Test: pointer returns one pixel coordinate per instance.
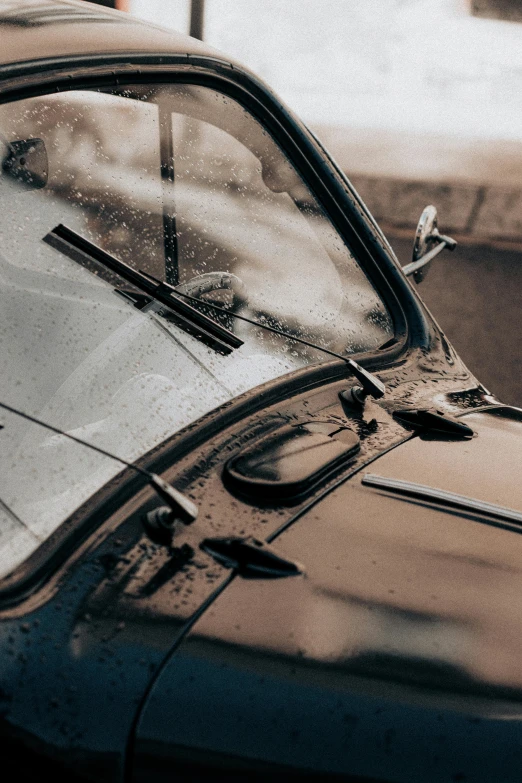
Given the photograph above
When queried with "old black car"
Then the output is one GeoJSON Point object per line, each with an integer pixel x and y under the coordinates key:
{"type": "Point", "coordinates": [257, 519]}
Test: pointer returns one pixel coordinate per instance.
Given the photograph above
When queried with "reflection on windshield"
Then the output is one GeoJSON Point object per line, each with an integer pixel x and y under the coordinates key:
{"type": "Point", "coordinates": [184, 184]}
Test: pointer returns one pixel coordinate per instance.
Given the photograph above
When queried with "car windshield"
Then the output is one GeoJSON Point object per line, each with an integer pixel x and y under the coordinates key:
{"type": "Point", "coordinates": [181, 182]}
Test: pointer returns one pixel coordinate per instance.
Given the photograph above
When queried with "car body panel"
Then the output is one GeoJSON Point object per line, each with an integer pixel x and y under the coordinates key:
{"type": "Point", "coordinates": [396, 655]}
{"type": "Point", "coordinates": [74, 668]}
{"type": "Point", "coordinates": [40, 29]}
{"type": "Point", "coordinates": [106, 614]}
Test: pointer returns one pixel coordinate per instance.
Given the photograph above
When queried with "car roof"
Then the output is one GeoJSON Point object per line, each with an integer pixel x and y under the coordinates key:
{"type": "Point", "coordinates": [49, 29]}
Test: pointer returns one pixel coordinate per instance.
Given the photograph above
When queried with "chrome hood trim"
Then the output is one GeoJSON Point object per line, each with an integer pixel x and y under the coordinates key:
{"type": "Point", "coordinates": [442, 496]}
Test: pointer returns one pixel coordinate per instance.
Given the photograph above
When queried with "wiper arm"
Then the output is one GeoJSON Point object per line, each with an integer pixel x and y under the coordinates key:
{"type": "Point", "coordinates": [79, 249]}
{"type": "Point", "coordinates": [371, 386]}
{"type": "Point", "coordinates": [180, 507]}
{"type": "Point", "coordinates": [186, 317]}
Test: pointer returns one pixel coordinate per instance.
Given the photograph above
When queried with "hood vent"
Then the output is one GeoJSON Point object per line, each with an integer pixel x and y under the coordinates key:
{"type": "Point", "coordinates": [251, 558]}
{"type": "Point", "coordinates": [434, 422]}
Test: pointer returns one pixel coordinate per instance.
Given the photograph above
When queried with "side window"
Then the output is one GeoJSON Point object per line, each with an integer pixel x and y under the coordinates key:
{"type": "Point", "coordinates": [181, 181]}
{"type": "Point", "coordinates": [242, 208]}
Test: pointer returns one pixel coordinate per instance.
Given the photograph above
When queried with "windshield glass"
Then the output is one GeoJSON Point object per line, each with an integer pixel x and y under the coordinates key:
{"type": "Point", "coordinates": [181, 182]}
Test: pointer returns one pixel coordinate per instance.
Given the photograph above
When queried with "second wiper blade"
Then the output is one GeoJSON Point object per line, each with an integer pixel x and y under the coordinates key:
{"type": "Point", "coordinates": [187, 317]}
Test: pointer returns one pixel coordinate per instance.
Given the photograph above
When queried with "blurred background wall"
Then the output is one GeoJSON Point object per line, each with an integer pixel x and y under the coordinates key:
{"type": "Point", "coordinates": [420, 102]}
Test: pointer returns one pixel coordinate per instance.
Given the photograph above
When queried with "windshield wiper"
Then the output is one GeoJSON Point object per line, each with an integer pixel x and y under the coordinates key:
{"type": "Point", "coordinates": [183, 314]}
{"type": "Point", "coordinates": [371, 386]}
{"type": "Point", "coordinates": [180, 507]}
{"type": "Point", "coordinates": [79, 249]}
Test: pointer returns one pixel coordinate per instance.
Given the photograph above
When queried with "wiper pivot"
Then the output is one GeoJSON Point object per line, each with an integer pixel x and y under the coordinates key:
{"type": "Point", "coordinates": [183, 314]}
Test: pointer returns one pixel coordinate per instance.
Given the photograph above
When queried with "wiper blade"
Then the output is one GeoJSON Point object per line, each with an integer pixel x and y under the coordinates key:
{"type": "Point", "coordinates": [185, 316]}
{"type": "Point", "coordinates": [79, 249]}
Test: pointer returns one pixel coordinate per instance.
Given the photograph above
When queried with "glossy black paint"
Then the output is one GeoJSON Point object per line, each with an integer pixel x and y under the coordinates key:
{"type": "Point", "coordinates": [122, 659]}
{"type": "Point", "coordinates": [392, 656]}
{"type": "Point", "coordinates": [116, 608]}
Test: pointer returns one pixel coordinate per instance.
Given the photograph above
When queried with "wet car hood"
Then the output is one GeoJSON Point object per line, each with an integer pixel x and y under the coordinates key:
{"type": "Point", "coordinates": [395, 587]}
{"type": "Point", "coordinates": [396, 655]}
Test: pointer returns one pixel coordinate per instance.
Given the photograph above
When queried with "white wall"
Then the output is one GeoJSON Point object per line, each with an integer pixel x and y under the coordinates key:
{"type": "Point", "coordinates": [414, 90]}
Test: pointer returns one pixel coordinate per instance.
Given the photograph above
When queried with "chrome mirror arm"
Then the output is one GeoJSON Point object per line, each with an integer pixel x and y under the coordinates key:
{"type": "Point", "coordinates": [427, 245]}
{"type": "Point", "coordinates": [444, 241]}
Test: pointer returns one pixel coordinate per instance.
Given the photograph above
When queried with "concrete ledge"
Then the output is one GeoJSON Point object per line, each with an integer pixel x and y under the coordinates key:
{"type": "Point", "coordinates": [481, 214]}
{"type": "Point", "coordinates": [474, 181]}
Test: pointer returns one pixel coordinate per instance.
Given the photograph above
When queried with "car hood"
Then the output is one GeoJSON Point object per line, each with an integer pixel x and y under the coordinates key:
{"type": "Point", "coordinates": [395, 587]}
{"type": "Point", "coordinates": [395, 655]}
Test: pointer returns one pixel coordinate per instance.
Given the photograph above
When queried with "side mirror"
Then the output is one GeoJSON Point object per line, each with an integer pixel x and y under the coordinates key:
{"type": "Point", "coordinates": [428, 243]}
{"type": "Point", "coordinates": [27, 162]}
